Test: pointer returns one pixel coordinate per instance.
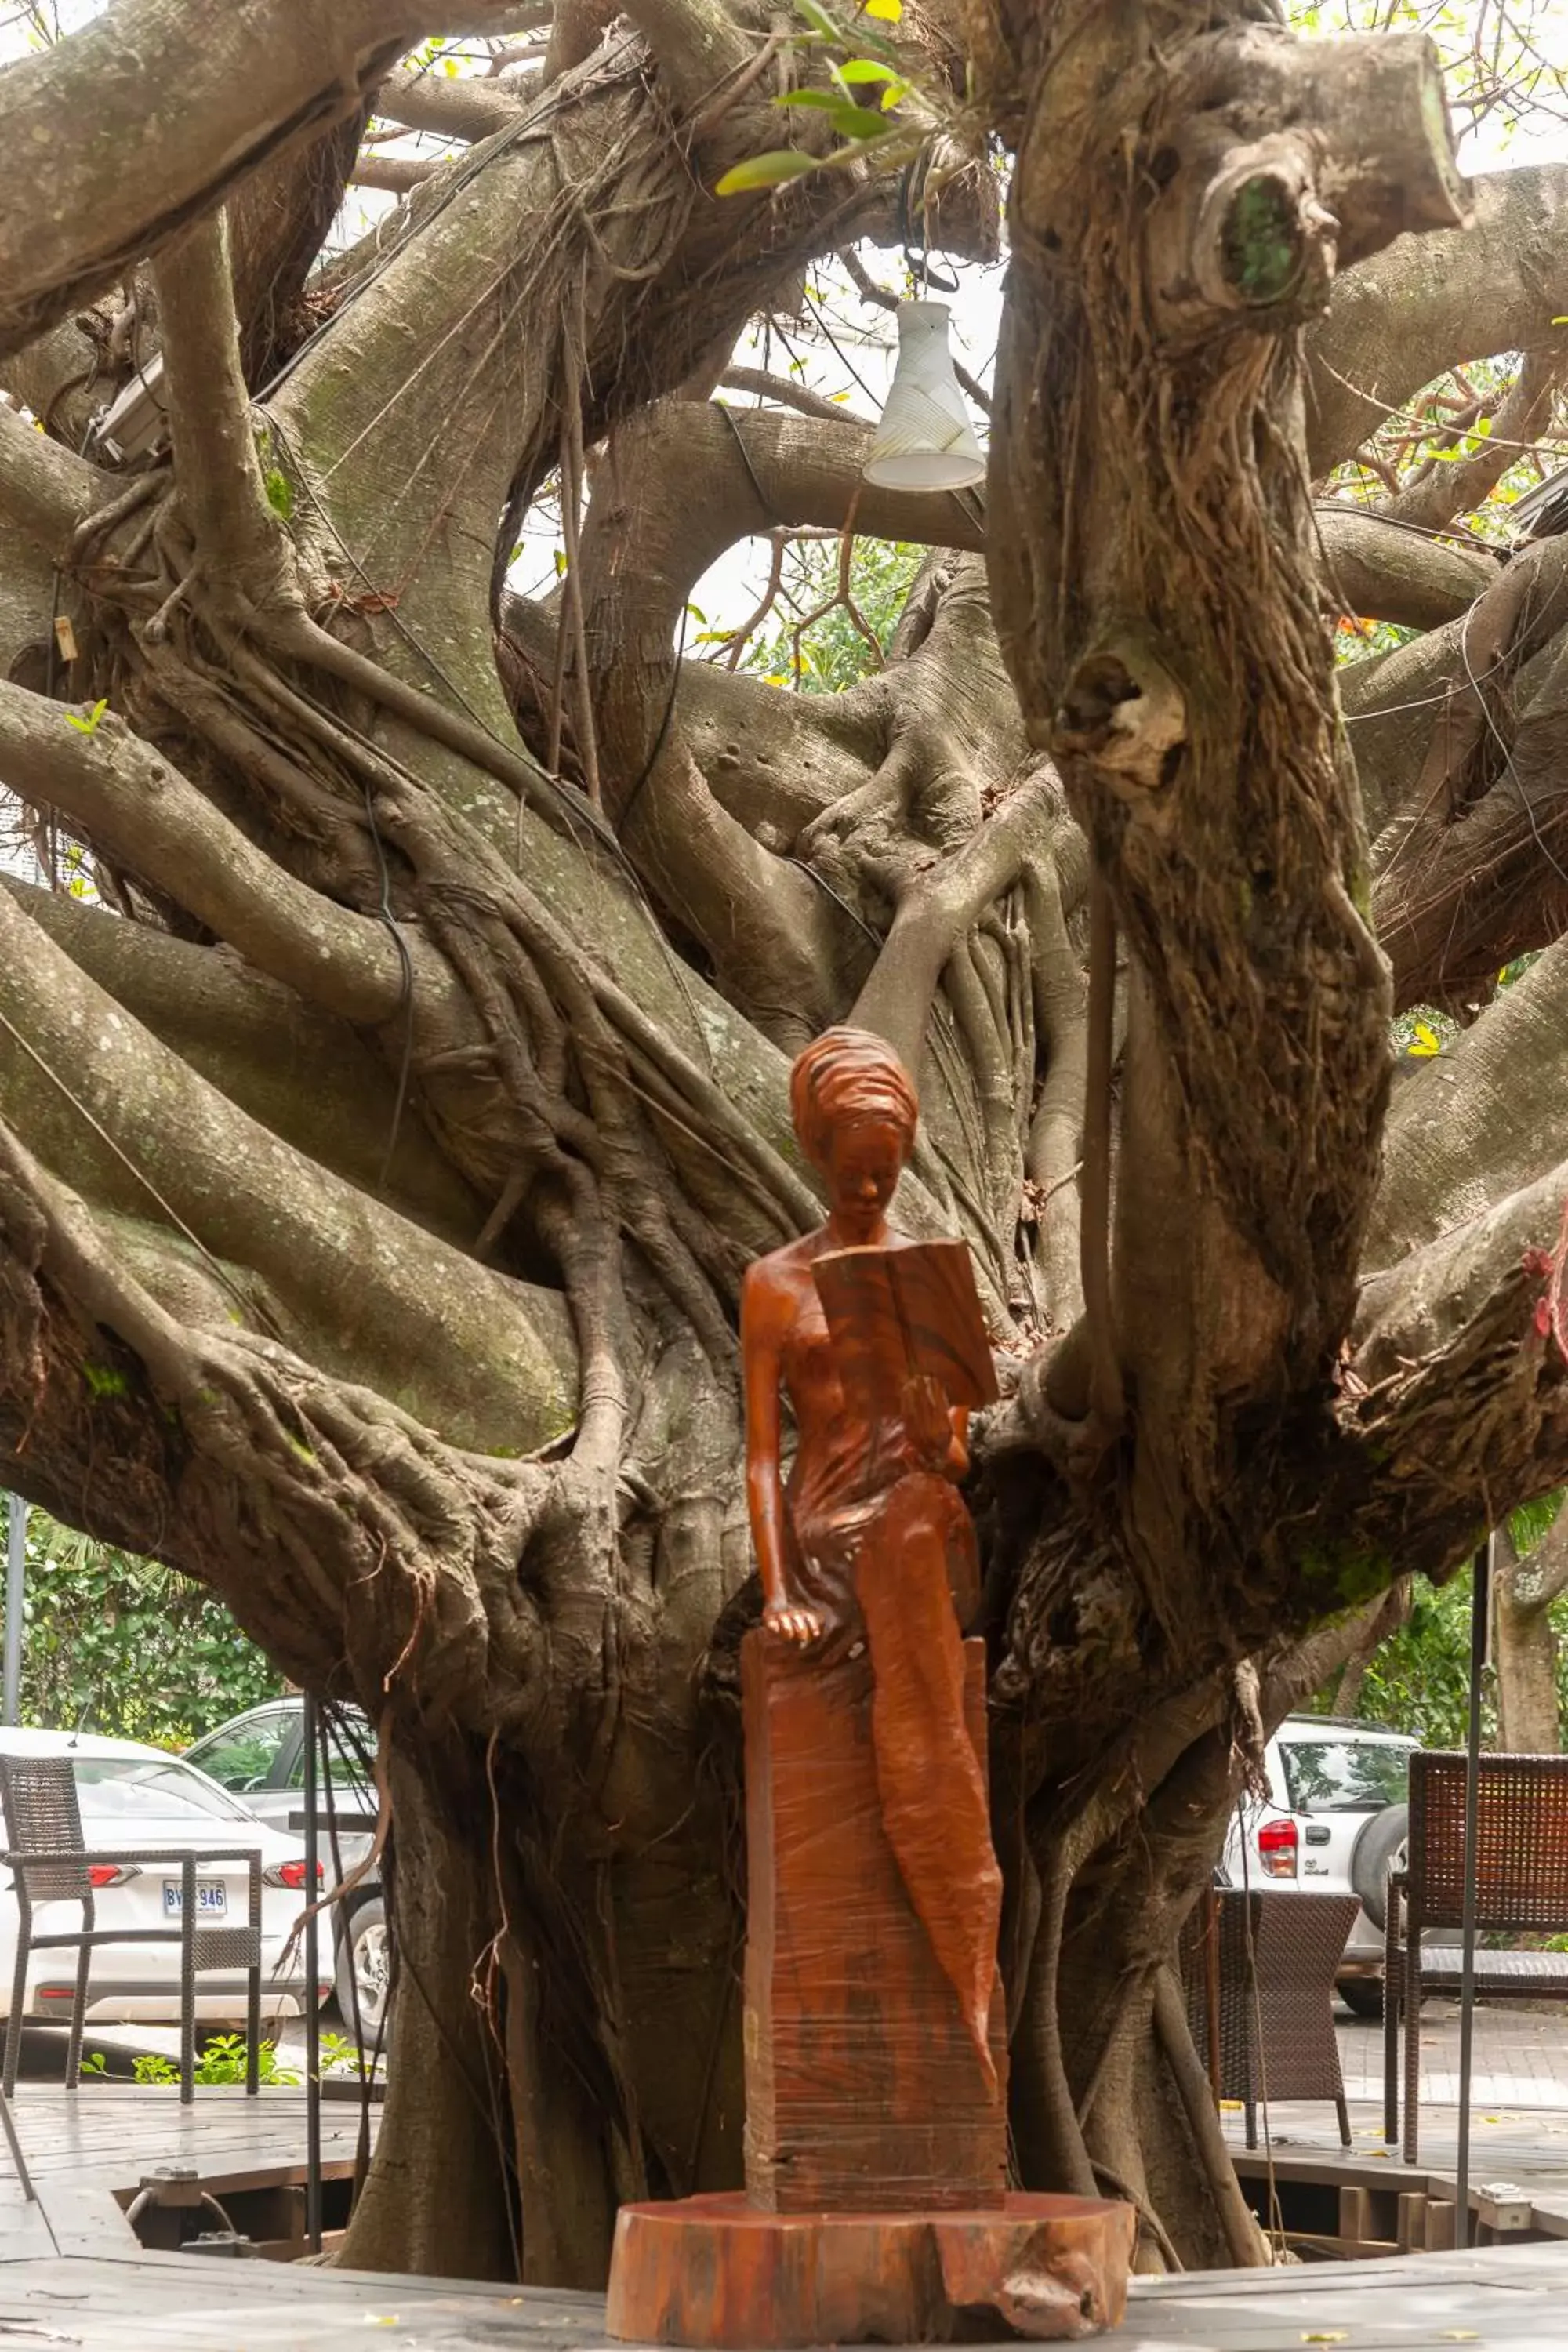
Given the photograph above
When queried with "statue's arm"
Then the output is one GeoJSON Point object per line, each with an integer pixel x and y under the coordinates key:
{"type": "Point", "coordinates": [762, 1338]}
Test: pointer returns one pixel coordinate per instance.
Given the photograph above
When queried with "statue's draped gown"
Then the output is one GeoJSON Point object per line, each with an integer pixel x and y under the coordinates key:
{"type": "Point", "coordinates": [885, 1552]}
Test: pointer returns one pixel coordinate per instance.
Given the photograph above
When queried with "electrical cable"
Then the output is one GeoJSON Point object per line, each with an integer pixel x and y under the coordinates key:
{"type": "Point", "coordinates": [249, 1306]}
{"type": "Point", "coordinates": [1504, 747]}
{"type": "Point", "coordinates": [649, 765]}
{"type": "Point", "coordinates": [405, 999]}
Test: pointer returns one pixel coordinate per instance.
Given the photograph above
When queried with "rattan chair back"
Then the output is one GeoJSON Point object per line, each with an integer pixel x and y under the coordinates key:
{"type": "Point", "coordinates": [1521, 1842]}
{"type": "Point", "coordinates": [42, 1817]}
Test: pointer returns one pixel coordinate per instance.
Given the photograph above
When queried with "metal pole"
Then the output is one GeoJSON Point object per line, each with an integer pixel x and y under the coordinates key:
{"type": "Point", "coordinates": [312, 1971]}
{"type": "Point", "coordinates": [15, 1591]}
{"type": "Point", "coordinates": [1480, 1630]}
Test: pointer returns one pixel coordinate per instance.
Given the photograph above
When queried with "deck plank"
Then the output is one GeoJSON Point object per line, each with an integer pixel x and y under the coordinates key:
{"type": "Point", "coordinates": [72, 2274]}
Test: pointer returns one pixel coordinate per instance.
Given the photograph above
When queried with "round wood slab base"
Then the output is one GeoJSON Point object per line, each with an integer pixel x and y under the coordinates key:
{"type": "Point", "coordinates": [715, 2271]}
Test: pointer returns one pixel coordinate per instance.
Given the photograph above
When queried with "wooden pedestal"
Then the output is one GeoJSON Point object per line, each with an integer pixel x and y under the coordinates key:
{"type": "Point", "coordinates": [713, 2270]}
{"type": "Point", "coordinates": [864, 2092]}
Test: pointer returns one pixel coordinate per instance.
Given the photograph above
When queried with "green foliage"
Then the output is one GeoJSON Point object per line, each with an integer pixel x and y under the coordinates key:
{"type": "Point", "coordinates": [119, 1645]}
{"type": "Point", "coordinates": [833, 653]}
{"type": "Point", "coordinates": [1419, 1679]}
{"type": "Point", "coordinates": [769, 171]}
{"type": "Point", "coordinates": [221, 2061]}
{"type": "Point", "coordinates": [87, 726]}
{"type": "Point", "coordinates": [1532, 1522]}
{"type": "Point", "coordinates": [864, 127]}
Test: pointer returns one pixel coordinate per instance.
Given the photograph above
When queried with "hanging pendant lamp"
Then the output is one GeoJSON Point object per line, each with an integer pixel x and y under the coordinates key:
{"type": "Point", "coordinates": [925, 440]}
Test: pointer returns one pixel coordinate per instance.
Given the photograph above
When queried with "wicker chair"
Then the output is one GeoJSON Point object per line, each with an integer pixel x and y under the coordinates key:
{"type": "Point", "coordinates": [1279, 2044]}
{"type": "Point", "coordinates": [1521, 1889]}
{"type": "Point", "coordinates": [49, 1863]}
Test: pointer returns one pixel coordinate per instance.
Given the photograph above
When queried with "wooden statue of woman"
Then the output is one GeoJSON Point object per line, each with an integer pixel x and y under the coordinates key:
{"type": "Point", "coordinates": [866, 1559]}
{"type": "Point", "coordinates": [876, 2206]}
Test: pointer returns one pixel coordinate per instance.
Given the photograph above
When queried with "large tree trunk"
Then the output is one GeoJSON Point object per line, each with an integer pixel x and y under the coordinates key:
{"type": "Point", "coordinates": [1529, 1720]}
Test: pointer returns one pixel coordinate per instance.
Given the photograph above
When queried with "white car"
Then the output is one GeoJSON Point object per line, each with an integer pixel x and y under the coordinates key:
{"type": "Point", "coordinates": [1334, 1821]}
{"type": "Point", "coordinates": [132, 1796]}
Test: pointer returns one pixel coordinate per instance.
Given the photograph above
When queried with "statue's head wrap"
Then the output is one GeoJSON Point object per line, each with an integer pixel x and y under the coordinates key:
{"type": "Point", "coordinates": [843, 1077]}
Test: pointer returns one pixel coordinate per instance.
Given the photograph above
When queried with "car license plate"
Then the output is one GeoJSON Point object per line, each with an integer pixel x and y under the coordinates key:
{"type": "Point", "coordinates": [211, 1898]}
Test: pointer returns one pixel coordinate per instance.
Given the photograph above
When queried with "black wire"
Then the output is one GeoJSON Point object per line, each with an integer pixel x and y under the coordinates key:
{"type": "Point", "coordinates": [331, 1717]}
{"type": "Point", "coordinates": [1504, 746]}
{"type": "Point", "coordinates": [821, 882]}
{"type": "Point", "coordinates": [649, 765]}
{"type": "Point", "coordinates": [842, 355]}
{"type": "Point", "coordinates": [406, 1001]}
{"type": "Point", "coordinates": [917, 258]}
{"type": "Point", "coordinates": [764, 500]}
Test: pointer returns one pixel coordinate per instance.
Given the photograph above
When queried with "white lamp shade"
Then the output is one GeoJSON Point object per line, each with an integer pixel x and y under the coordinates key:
{"type": "Point", "coordinates": [925, 440]}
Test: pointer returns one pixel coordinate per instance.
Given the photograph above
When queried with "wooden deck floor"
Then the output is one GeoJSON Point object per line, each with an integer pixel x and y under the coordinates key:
{"type": "Point", "coordinates": [73, 2275]}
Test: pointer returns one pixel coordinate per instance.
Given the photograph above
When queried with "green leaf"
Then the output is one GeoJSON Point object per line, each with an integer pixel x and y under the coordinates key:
{"type": "Point", "coordinates": [87, 726]}
{"type": "Point", "coordinates": [768, 170]}
{"type": "Point", "coordinates": [856, 122]}
{"type": "Point", "coordinates": [819, 20]}
{"type": "Point", "coordinates": [863, 69]}
{"type": "Point", "coordinates": [1532, 1521]}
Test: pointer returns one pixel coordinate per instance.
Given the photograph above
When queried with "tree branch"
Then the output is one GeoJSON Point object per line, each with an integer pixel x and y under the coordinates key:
{"type": "Point", "coordinates": [196, 101]}
{"type": "Point", "coordinates": [279, 221]}
{"type": "Point", "coordinates": [253, 1038]}
{"type": "Point", "coordinates": [1054, 1154]}
{"type": "Point", "coordinates": [488, 1361]}
{"type": "Point", "coordinates": [466, 107]}
{"type": "Point", "coordinates": [687, 480]}
{"type": "Point", "coordinates": [1471, 860]}
{"type": "Point", "coordinates": [1458, 486]}
{"type": "Point", "coordinates": [240, 542]}
{"type": "Point", "coordinates": [1431, 302]}
{"type": "Point", "coordinates": [939, 905]}
{"type": "Point", "coordinates": [784, 393]}
{"type": "Point", "coordinates": [133, 804]}
{"type": "Point", "coordinates": [1457, 1398]}
{"type": "Point", "coordinates": [397, 174]}
{"type": "Point", "coordinates": [1383, 570]}
{"type": "Point", "coordinates": [47, 492]}
{"type": "Point", "coordinates": [1477, 1122]}
{"type": "Point", "coordinates": [697, 46]}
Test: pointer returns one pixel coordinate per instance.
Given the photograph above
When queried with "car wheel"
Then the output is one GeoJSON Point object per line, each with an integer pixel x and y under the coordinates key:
{"type": "Point", "coordinates": [1362, 1996]}
{"type": "Point", "coordinates": [1381, 1844]}
{"type": "Point", "coordinates": [365, 1967]}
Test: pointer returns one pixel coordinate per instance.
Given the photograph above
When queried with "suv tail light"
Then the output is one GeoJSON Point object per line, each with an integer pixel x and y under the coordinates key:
{"type": "Point", "coordinates": [1277, 1842]}
{"type": "Point", "coordinates": [289, 1874]}
{"type": "Point", "coordinates": [113, 1873]}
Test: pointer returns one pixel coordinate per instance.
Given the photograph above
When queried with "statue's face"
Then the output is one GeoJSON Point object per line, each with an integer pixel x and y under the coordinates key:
{"type": "Point", "coordinates": [866, 1158]}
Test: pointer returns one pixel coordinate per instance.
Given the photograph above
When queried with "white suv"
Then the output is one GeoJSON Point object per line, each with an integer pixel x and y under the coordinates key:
{"type": "Point", "coordinates": [1334, 1820]}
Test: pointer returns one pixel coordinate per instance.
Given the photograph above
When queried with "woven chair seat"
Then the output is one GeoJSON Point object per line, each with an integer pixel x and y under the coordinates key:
{"type": "Point", "coordinates": [1499, 1974]}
